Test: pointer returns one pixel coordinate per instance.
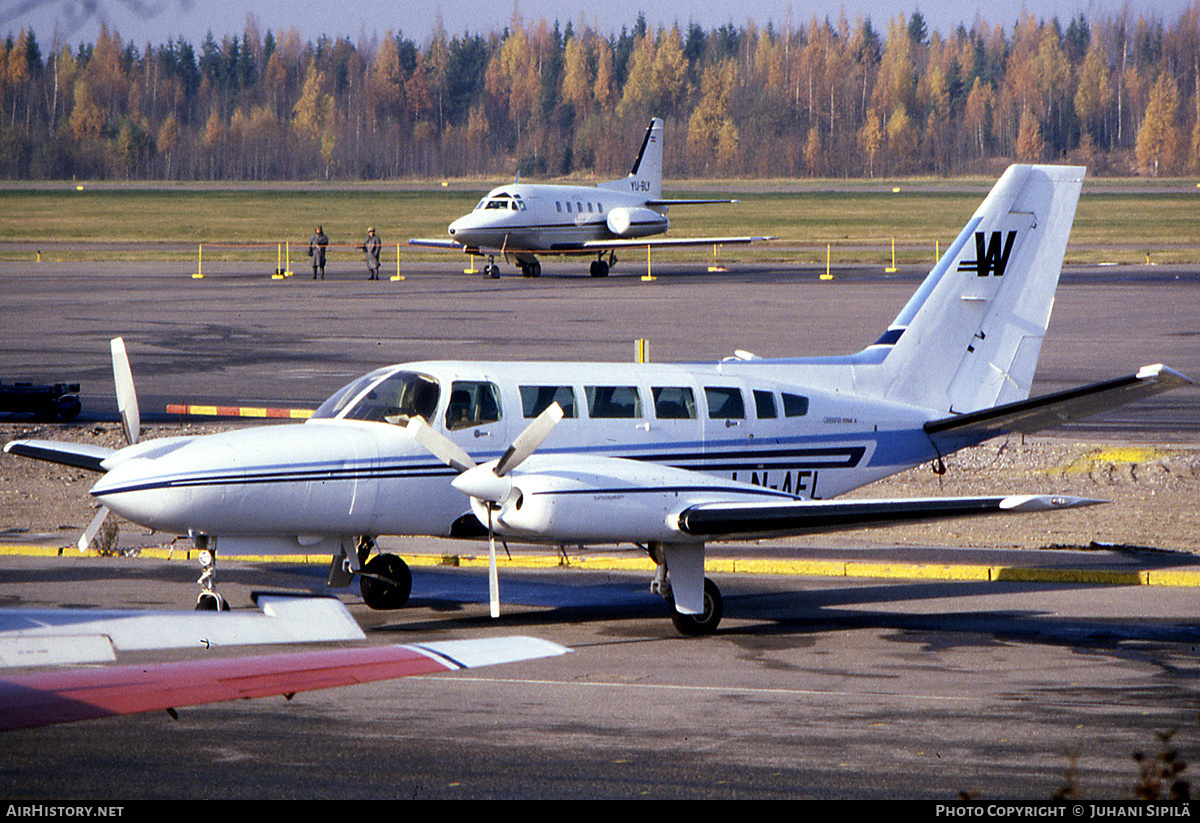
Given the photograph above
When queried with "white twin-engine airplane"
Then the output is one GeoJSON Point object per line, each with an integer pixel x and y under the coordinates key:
{"type": "Point", "coordinates": [665, 456]}
{"type": "Point", "coordinates": [524, 220]}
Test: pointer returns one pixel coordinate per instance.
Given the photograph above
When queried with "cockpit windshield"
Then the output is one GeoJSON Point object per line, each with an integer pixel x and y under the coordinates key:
{"type": "Point", "coordinates": [394, 399]}
{"type": "Point", "coordinates": [502, 201]}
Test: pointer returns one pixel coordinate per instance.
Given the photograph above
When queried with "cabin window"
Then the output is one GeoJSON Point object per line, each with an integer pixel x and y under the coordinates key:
{"type": "Point", "coordinates": [764, 405]}
{"type": "Point", "coordinates": [472, 403]}
{"type": "Point", "coordinates": [794, 405]}
{"type": "Point", "coordinates": [590, 208]}
{"type": "Point", "coordinates": [536, 399]}
{"type": "Point", "coordinates": [568, 207]}
{"type": "Point", "coordinates": [397, 399]}
{"type": "Point", "coordinates": [558, 205]}
{"type": "Point", "coordinates": [674, 403]}
{"type": "Point", "coordinates": [724, 403]}
{"type": "Point", "coordinates": [613, 401]}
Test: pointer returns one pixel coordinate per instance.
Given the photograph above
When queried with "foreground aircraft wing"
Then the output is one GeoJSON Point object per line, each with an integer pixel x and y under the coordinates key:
{"type": "Point", "coordinates": [717, 520]}
{"type": "Point", "coordinates": [1048, 411]}
{"type": "Point", "coordinates": [44, 698]}
{"type": "Point", "coordinates": [79, 455]}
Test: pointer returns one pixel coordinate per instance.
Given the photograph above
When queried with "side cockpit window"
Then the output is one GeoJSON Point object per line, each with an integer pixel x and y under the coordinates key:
{"type": "Point", "coordinates": [472, 403]}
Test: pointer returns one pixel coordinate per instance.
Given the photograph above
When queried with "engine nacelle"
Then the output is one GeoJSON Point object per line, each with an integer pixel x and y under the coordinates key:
{"type": "Point", "coordinates": [608, 500]}
{"type": "Point", "coordinates": [636, 221]}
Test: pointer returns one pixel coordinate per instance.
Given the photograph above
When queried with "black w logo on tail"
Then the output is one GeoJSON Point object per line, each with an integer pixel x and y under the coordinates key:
{"type": "Point", "coordinates": [989, 257]}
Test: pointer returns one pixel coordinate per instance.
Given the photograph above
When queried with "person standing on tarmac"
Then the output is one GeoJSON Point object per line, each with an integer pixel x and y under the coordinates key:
{"type": "Point", "coordinates": [372, 246]}
{"type": "Point", "coordinates": [316, 250]}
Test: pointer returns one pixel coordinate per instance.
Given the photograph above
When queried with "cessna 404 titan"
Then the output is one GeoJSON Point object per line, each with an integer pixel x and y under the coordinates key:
{"type": "Point", "coordinates": [665, 456]}
{"type": "Point", "coordinates": [524, 220]}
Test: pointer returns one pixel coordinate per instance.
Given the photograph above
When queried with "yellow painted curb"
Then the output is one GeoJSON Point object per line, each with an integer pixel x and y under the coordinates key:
{"type": "Point", "coordinates": [715, 565]}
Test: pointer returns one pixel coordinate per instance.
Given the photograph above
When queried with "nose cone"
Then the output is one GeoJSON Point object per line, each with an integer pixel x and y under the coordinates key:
{"type": "Point", "coordinates": [482, 227]}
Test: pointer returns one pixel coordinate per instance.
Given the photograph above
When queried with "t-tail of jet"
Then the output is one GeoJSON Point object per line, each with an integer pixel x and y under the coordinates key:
{"type": "Point", "coordinates": [645, 178]}
{"type": "Point", "coordinates": [970, 336]}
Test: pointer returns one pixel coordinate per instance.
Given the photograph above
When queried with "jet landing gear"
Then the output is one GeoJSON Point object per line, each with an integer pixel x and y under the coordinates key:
{"type": "Point", "coordinates": [385, 580]}
{"type": "Point", "coordinates": [491, 269]}
{"type": "Point", "coordinates": [600, 266]}
{"type": "Point", "coordinates": [713, 608]}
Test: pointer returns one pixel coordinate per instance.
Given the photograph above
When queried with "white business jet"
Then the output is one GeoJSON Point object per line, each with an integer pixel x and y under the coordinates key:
{"type": "Point", "coordinates": [524, 220]}
{"type": "Point", "coordinates": [667, 457]}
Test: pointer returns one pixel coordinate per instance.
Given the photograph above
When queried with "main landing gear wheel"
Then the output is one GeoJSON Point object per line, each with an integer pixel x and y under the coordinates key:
{"type": "Point", "coordinates": [533, 269]}
{"type": "Point", "coordinates": [599, 268]}
{"type": "Point", "coordinates": [697, 625]}
{"type": "Point", "coordinates": [385, 582]}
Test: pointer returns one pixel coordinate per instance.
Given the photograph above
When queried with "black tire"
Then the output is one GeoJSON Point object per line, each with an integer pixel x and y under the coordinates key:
{"type": "Point", "coordinates": [388, 586]}
{"type": "Point", "coordinates": [698, 625]}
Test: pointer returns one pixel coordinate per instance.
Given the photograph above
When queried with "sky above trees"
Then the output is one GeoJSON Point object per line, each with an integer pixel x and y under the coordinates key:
{"type": "Point", "coordinates": [158, 21]}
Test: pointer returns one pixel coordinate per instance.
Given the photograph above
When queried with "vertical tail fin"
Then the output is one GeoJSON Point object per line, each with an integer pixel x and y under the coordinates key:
{"type": "Point", "coordinates": [646, 175]}
{"type": "Point", "coordinates": [970, 336]}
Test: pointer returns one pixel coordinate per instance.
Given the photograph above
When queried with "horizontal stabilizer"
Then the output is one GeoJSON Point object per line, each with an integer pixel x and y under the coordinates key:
{"type": "Point", "coordinates": [717, 520]}
{"type": "Point", "coordinates": [1051, 410]}
{"type": "Point", "coordinates": [79, 455]}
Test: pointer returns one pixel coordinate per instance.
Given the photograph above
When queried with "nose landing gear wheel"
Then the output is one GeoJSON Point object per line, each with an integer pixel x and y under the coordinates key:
{"type": "Point", "coordinates": [385, 582]}
{"type": "Point", "coordinates": [697, 625]}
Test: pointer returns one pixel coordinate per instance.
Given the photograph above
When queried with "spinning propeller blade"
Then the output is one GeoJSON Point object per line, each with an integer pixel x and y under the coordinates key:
{"type": "Point", "coordinates": [489, 483]}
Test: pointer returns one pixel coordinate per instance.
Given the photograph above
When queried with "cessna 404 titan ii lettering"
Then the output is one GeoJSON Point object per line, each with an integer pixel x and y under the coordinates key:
{"type": "Point", "coordinates": [665, 456]}
{"type": "Point", "coordinates": [524, 220]}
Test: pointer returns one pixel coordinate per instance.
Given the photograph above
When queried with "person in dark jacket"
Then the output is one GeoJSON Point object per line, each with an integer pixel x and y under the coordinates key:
{"type": "Point", "coordinates": [316, 250]}
{"type": "Point", "coordinates": [372, 246]}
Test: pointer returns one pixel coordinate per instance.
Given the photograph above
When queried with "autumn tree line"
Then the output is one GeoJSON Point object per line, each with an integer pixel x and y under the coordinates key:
{"type": "Point", "coordinates": [830, 98]}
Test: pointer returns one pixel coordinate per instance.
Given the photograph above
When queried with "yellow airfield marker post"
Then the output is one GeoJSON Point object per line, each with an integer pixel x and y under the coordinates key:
{"type": "Point", "coordinates": [716, 266]}
{"type": "Point", "coordinates": [828, 275]}
{"type": "Point", "coordinates": [397, 276]}
{"type": "Point", "coordinates": [199, 274]}
{"type": "Point", "coordinates": [893, 266]}
{"type": "Point", "coordinates": [471, 270]}
{"type": "Point", "coordinates": [648, 276]}
{"type": "Point", "coordinates": [642, 350]}
{"type": "Point", "coordinates": [288, 259]}
{"type": "Point", "coordinates": [278, 275]}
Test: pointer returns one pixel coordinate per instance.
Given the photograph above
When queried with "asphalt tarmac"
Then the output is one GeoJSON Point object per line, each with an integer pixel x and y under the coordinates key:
{"type": "Point", "coordinates": [813, 687]}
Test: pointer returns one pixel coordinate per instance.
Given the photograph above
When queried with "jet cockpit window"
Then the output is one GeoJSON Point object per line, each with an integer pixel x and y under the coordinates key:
{"type": "Point", "coordinates": [397, 399]}
{"type": "Point", "coordinates": [472, 403]}
{"type": "Point", "coordinates": [724, 403]}
{"type": "Point", "coordinates": [674, 403]}
{"type": "Point", "coordinates": [536, 399]}
{"type": "Point", "coordinates": [503, 200]}
{"type": "Point", "coordinates": [613, 401]}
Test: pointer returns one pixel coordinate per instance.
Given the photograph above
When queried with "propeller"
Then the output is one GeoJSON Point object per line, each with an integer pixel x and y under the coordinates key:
{"type": "Point", "coordinates": [131, 422]}
{"type": "Point", "coordinates": [490, 483]}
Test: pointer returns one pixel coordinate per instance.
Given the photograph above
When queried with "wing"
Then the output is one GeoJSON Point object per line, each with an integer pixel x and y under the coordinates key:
{"type": "Point", "coordinates": [45, 698]}
{"type": "Point", "coordinates": [739, 519]}
{"type": "Point", "coordinates": [79, 455]}
{"type": "Point", "coordinates": [436, 243]}
{"type": "Point", "coordinates": [601, 245]}
{"type": "Point", "coordinates": [641, 243]}
{"type": "Point", "coordinates": [1048, 411]}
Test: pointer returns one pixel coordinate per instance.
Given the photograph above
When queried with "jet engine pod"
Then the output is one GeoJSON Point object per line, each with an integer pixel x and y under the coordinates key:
{"type": "Point", "coordinates": [636, 221]}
